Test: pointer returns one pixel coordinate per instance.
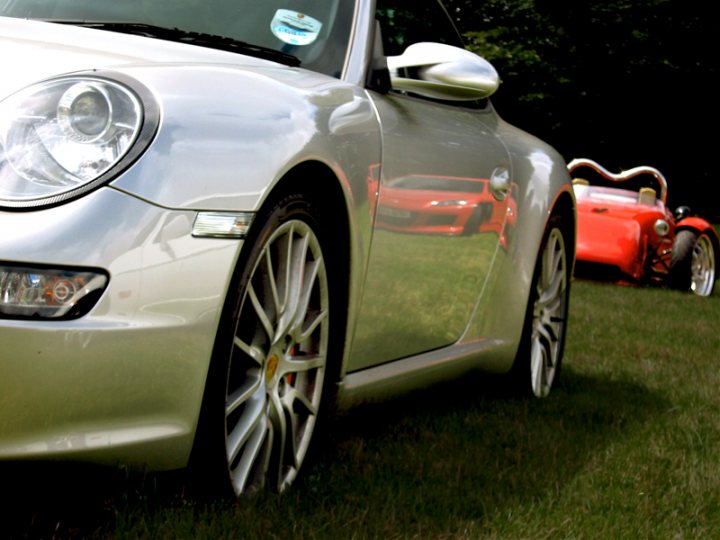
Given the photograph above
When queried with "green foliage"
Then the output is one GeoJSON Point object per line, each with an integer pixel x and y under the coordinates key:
{"type": "Point", "coordinates": [626, 82]}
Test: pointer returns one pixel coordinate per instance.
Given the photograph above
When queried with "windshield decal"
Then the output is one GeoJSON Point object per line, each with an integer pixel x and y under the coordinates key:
{"type": "Point", "coordinates": [295, 28]}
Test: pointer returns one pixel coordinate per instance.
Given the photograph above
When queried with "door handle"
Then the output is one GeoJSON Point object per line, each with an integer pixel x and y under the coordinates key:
{"type": "Point", "coordinates": [500, 183]}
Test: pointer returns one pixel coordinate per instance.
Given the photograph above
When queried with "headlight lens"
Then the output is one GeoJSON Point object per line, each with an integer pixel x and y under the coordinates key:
{"type": "Point", "coordinates": [662, 227]}
{"type": "Point", "coordinates": [59, 137]}
{"type": "Point", "coordinates": [48, 293]}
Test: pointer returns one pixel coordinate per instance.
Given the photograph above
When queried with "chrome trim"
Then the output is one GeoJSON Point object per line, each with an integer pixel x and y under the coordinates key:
{"type": "Point", "coordinates": [624, 175]}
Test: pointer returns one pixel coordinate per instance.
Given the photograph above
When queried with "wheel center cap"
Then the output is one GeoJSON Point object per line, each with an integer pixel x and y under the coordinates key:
{"type": "Point", "coordinates": [271, 367]}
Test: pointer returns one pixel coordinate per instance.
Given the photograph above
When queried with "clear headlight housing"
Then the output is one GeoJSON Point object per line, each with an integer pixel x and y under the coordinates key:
{"type": "Point", "coordinates": [45, 293]}
{"type": "Point", "coordinates": [59, 138]}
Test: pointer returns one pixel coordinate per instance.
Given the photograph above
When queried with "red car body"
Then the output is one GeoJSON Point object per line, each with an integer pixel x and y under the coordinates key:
{"type": "Point", "coordinates": [441, 205]}
{"type": "Point", "coordinates": [627, 234]}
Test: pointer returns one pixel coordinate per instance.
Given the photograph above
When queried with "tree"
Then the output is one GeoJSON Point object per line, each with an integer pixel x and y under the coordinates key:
{"type": "Point", "coordinates": [624, 82]}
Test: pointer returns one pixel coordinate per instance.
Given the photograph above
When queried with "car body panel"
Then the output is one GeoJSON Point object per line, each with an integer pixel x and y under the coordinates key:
{"type": "Point", "coordinates": [490, 340]}
{"type": "Point", "coordinates": [85, 386]}
{"type": "Point", "coordinates": [125, 382]}
{"type": "Point", "coordinates": [405, 289]}
{"type": "Point", "coordinates": [620, 243]}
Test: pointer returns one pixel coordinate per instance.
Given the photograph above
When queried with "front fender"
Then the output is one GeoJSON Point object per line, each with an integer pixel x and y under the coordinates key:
{"type": "Point", "coordinates": [228, 134]}
{"type": "Point", "coordinates": [698, 225]}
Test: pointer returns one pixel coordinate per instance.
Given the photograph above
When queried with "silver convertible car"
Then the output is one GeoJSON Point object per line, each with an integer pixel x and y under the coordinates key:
{"type": "Point", "coordinates": [200, 258]}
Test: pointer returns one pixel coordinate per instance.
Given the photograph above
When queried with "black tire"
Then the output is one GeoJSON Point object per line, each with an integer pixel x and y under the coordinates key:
{"type": "Point", "coordinates": [693, 263]}
{"type": "Point", "coordinates": [681, 260]}
{"type": "Point", "coordinates": [268, 372]}
{"type": "Point", "coordinates": [539, 358]}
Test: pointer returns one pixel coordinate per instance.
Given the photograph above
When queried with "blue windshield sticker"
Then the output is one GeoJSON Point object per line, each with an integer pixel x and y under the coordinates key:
{"type": "Point", "coordinates": [295, 28]}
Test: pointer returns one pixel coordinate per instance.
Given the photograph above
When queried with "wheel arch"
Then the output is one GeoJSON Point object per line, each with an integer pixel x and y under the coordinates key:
{"type": "Point", "coordinates": [318, 184]}
{"type": "Point", "coordinates": [334, 198]}
{"type": "Point", "coordinates": [565, 206]}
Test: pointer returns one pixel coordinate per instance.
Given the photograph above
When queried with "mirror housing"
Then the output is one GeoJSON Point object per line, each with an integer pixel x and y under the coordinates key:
{"type": "Point", "coordinates": [444, 72]}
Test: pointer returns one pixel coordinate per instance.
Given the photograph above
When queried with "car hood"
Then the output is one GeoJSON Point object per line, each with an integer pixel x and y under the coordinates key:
{"type": "Point", "coordinates": [221, 112]}
{"type": "Point", "coordinates": [34, 50]}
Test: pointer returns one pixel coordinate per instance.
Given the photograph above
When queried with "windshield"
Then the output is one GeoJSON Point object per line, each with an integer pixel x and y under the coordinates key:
{"type": "Point", "coordinates": [315, 31]}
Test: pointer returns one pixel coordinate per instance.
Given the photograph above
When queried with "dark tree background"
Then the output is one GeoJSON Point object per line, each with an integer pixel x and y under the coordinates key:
{"type": "Point", "coordinates": [624, 82]}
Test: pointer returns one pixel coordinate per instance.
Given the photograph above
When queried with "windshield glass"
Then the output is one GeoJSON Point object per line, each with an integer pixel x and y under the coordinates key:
{"type": "Point", "coordinates": [315, 31]}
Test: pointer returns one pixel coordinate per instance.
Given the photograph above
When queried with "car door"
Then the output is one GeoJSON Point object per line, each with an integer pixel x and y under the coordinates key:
{"type": "Point", "coordinates": [430, 253]}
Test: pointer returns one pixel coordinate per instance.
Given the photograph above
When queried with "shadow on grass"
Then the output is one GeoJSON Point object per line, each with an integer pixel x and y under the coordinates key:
{"type": "Point", "coordinates": [426, 463]}
{"type": "Point", "coordinates": [70, 500]}
{"type": "Point", "coordinates": [423, 465]}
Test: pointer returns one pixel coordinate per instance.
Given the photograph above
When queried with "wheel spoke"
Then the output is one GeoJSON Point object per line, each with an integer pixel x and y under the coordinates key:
{"type": "Point", "coordinates": [279, 423]}
{"type": "Point", "coordinates": [260, 312]}
{"type": "Point", "coordinates": [550, 264]}
{"type": "Point", "coordinates": [250, 387]}
{"type": "Point", "coordinates": [284, 271]}
{"type": "Point", "coordinates": [257, 448]}
{"type": "Point", "coordinates": [556, 286]}
{"type": "Point", "coordinates": [270, 273]}
{"type": "Point", "coordinates": [294, 286]}
{"type": "Point", "coordinates": [538, 370]}
{"type": "Point", "coordinates": [293, 428]}
{"type": "Point", "coordinates": [303, 363]}
{"type": "Point", "coordinates": [254, 353]}
{"type": "Point", "coordinates": [546, 333]}
{"type": "Point", "coordinates": [252, 418]}
{"type": "Point", "coordinates": [297, 420]}
{"type": "Point", "coordinates": [296, 398]}
{"type": "Point", "coordinates": [312, 270]}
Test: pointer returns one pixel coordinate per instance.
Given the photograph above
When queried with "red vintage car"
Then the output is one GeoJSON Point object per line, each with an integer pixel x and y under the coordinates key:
{"type": "Point", "coordinates": [627, 234]}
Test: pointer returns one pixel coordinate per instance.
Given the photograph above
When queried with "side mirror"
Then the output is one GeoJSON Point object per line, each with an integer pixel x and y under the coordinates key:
{"type": "Point", "coordinates": [444, 72]}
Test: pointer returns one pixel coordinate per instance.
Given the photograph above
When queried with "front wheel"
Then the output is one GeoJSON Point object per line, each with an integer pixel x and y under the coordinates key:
{"type": "Point", "coordinates": [539, 357]}
{"type": "Point", "coordinates": [693, 263]}
{"type": "Point", "coordinates": [266, 381]}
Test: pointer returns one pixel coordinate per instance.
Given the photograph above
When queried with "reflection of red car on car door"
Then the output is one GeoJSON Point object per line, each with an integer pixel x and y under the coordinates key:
{"type": "Point", "coordinates": [626, 233]}
{"type": "Point", "coordinates": [440, 205]}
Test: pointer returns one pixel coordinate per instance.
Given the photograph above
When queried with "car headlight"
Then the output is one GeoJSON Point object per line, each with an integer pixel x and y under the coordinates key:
{"type": "Point", "coordinates": [453, 202]}
{"type": "Point", "coordinates": [662, 227]}
{"type": "Point", "coordinates": [61, 138]}
{"type": "Point", "coordinates": [46, 293]}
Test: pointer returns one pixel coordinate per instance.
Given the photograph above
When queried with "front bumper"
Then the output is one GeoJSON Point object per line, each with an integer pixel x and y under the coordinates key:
{"type": "Point", "coordinates": [125, 382]}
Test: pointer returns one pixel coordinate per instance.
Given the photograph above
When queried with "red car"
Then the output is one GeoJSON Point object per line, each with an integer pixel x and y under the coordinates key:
{"type": "Point", "coordinates": [627, 234]}
{"type": "Point", "coordinates": [441, 205]}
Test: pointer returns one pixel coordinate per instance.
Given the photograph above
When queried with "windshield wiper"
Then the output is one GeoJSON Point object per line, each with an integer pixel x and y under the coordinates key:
{"type": "Point", "coordinates": [185, 36]}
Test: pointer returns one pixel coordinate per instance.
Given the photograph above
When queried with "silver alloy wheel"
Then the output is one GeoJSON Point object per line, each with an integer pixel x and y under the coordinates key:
{"type": "Point", "coordinates": [277, 363]}
{"type": "Point", "coordinates": [549, 314]}
{"type": "Point", "coordinates": [702, 271]}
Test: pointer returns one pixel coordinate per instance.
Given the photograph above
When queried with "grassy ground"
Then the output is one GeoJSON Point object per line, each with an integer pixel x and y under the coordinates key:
{"type": "Point", "coordinates": [627, 447]}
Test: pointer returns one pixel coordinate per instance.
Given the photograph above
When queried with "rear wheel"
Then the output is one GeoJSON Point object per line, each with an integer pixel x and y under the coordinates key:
{"type": "Point", "coordinates": [266, 381]}
{"type": "Point", "coordinates": [537, 365]}
{"type": "Point", "coordinates": [693, 263]}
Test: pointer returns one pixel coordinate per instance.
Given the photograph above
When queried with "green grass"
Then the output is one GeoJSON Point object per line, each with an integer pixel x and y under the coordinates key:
{"type": "Point", "coordinates": [628, 446]}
